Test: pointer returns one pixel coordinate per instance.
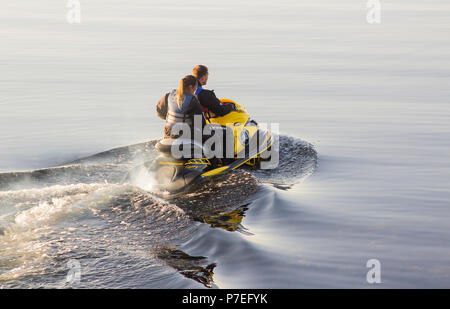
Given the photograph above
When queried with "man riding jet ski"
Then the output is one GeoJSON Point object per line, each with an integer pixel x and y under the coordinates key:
{"type": "Point", "coordinates": [210, 103]}
{"type": "Point", "coordinates": [197, 146]}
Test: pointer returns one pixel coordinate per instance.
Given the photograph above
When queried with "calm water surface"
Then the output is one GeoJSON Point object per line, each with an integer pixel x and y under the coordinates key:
{"type": "Point", "coordinates": [364, 117]}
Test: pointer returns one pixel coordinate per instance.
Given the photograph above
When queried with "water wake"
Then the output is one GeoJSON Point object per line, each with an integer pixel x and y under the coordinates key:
{"type": "Point", "coordinates": [84, 211]}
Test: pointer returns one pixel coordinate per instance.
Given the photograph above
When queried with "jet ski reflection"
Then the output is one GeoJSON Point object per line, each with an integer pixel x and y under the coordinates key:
{"type": "Point", "coordinates": [230, 221]}
{"type": "Point", "coordinates": [192, 267]}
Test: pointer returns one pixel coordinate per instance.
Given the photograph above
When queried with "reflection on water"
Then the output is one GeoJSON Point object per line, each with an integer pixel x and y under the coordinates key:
{"type": "Point", "coordinates": [230, 221]}
{"type": "Point", "coordinates": [192, 267]}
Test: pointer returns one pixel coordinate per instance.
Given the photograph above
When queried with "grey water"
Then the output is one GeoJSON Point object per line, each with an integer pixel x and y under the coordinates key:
{"type": "Point", "coordinates": [364, 118]}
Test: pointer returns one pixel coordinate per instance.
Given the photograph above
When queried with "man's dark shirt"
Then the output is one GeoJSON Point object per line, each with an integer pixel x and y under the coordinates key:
{"type": "Point", "coordinates": [209, 100]}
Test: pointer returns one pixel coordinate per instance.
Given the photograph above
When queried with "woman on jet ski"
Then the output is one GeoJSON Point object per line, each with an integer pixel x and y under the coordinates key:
{"type": "Point", "coordinates": [180, 106]}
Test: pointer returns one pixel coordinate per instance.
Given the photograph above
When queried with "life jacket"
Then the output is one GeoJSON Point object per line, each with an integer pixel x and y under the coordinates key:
{"type": "Point", "coordinates": [197, 92]}
{"type": "Point", "coordinates": [175, 113]}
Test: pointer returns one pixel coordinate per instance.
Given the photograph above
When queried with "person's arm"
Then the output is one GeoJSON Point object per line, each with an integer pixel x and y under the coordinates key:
{"type": "Point", "coordinates": [161, 107]}
{"type": "Point", "coordinates": [209, 100]}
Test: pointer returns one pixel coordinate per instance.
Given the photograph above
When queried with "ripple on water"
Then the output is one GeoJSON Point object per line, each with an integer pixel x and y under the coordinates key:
{"type": "Point", "coordinates": [122, 235]}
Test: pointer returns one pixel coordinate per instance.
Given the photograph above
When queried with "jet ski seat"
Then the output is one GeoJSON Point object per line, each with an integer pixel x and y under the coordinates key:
{"type": "Point", "coordinates": [194, 149]}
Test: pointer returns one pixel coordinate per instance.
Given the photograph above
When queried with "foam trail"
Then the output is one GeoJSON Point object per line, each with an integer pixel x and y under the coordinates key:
{"type": "Point", "coordinates": [85, 211]}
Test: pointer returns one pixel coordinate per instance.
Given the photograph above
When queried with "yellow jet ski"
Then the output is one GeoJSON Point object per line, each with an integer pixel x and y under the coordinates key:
{"type": "Point", "coordinates": [250, 141]}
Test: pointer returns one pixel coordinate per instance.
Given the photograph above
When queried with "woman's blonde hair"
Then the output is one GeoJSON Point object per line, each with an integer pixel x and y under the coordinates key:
{"type": "Point", "coordinates": [185, 83]}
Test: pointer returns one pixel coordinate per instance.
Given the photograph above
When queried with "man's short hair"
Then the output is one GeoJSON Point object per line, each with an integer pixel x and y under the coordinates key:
{"type": "Point", "coordinates": [199, 71]}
